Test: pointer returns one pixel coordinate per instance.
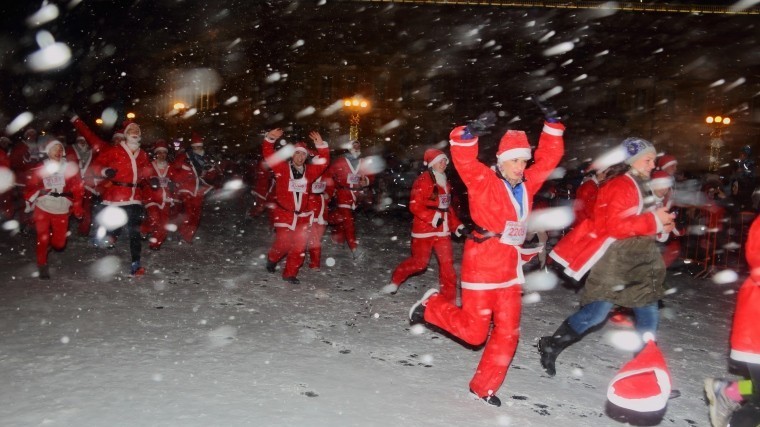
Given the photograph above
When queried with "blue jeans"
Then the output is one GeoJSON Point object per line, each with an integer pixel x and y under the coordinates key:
{"type": "Point", "coordinates": [594, 313]}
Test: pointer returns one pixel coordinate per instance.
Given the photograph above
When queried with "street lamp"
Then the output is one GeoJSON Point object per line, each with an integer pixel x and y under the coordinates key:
{"type": "Point", "coordinates": [131, 116]}
{"type": "Point", "coordinates": [717, 124]}
{"type": "Point", "coordinates": [355, 106]}
{"type": "Point", "coordinates": [99, 121]}
{"type": "Point", "coordinates": [179, 106]}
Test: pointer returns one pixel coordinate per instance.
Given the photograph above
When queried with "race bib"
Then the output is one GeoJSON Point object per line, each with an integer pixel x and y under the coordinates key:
{"type": "Point", "coordinates": [297, 185]}
{"type": "Point", "coordinates": [444, 201]}
{"type": "Point", "coordinates": [163, 181]}
{"type": "Point", "coordinates": [353, 179]}
{"type": "Point", "coordinates": [54, 181]}
{"type": "Point", "coordinates": [318, 187]}
{"type": "Point", "coordinates": [514, 233]}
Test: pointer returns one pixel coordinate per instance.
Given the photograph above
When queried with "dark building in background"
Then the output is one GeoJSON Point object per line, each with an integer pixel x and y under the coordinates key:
{"type": "Point", "coordinates": [241, 67]}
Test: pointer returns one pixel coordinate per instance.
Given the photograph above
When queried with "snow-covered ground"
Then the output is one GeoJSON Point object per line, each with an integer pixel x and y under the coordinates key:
{"type": "Point", "coordinates": [209, 338]}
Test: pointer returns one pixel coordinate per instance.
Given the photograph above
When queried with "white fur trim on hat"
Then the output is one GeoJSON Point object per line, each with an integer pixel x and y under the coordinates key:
{"type": "Point", "coordinates": [437, 159]}
{"type": "Point", "coordinates": [664, 182]}
{"type": "Point", "coordinates": [50, 145]}
{"type": "Point", "coordinates": [515, 153]}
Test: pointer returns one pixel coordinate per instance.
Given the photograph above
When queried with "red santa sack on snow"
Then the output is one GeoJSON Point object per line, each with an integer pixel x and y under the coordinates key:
{"type": "Point", "coordinates": [643, 384]}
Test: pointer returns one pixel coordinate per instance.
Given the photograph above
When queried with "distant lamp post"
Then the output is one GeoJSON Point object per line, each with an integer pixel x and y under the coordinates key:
{"type": "Point", "coordinates": [355, 107]}
{"type": "Point", "coordinates": [717, 124]}
{"type": "Point", "coordinates": [99, 121]}
{"type": "Point", "coordinates": [176, 115]}
{"type": "Point", "coordinates": [131, 116]}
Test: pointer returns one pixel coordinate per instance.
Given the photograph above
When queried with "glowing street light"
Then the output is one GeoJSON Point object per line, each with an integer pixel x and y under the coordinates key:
{"type": "Point", "coordinates": [355, 106]}
{"type": "Point", "coordinates": [179, 106]}
{"type": "Point", "coordinates": [131, 116]}
{"type": "Point", "coordinates": [99, 121]}
{"type": "Point", "coordinates": [717, 124]}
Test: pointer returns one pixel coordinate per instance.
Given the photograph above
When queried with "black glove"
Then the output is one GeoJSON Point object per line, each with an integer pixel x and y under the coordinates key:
{"type": "Point", "coordinates": [154, 182]}
{"type": "Point", "coordinates": [439, 222]}
{"type": "Point", "coordinates": [550, 113]}
{"type": "Point", "coordinates": [109, 173]}
{"type": "Point", "coordinates": [480, 125]}
{"type": "Point", "coordinates": [208, 166]}
{"type": "Point", "coordinates": [464, 231]}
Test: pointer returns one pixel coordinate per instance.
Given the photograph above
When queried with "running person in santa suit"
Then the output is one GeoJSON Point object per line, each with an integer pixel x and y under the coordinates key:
{"type": "Point", "coordinates": [292, 217]}
{"type": "Point", "coordinates": [322, 191]}
{"type": "Point", "coordinates": [351, 178]}
{"type": "Point", "coordinates": [739, 401]}
{"type": "Point", "coordinates": [194, 171]}
{"type": "Point", "coordinates": [125, 169]}
{"type": "Point", "coordinates": [617, 248]}
{"type": "Point", "coordinates": [158, 196]}
{"type": "Point", "coordinates": [500, 202]}
{"type": "Point", "coordinates": [434, 221]}
{"type": "Point", "coordinates": [82, 153]}
{"type": "Point", "coordinates": [53, 190]}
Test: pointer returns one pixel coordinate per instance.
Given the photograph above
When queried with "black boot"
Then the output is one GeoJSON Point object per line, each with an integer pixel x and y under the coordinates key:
{"type": "Point", "coordinates": [550, 347]}
{"type": "Point", "coordinates": [271, 266]}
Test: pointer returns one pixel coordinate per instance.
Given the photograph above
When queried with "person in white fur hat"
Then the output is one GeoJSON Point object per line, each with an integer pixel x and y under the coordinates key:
{"type": "Point", "coordinates": [434, 221]}
{"type": "Point", "coordinates": [54, 190]}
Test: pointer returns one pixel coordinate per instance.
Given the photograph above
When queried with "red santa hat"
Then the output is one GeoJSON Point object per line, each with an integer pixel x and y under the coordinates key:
{"type": "Point", "coordinates": [50, 144]}
{"type": "Point", "coordinates": [513, 145]}
{"type": "Point", "coordinates": [660, 180]}
{"type": "Point", "coordinates": [196, 140]}
{"type": "Point", "coordinates": [128, 125]}
{"type": "Point", "coordinates": [433, 156]}
{"type": "Point", "coordinates": [643, 384]}
{"type": "Point", "coordinates": [301, 146]}
{"type": "Point", "coordinates": [666, 160]}
{"type": "Point", "coordinates": [161, 145]}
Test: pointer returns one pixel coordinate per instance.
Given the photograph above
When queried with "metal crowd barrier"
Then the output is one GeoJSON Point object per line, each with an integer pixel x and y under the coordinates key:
{"type": "Point", "coordinates": [714, 239]}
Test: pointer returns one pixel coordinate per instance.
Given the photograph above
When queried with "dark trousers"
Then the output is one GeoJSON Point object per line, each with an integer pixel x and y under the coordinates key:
{"type": "Point", "coordinates": [135, 216]}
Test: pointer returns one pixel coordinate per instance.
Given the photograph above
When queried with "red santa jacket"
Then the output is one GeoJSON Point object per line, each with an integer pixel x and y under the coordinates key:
{"type": "Point", "coordinates": [263, 182]}
{"type": "Point", "coordinates": [132, 169]}
{"type": "Point", "coordinates": [189, 182]}
{"type": "Point", "coordinates": [55, 187]}
{"type": "Point", "coordinates": [159, 195]}
{"type": "Point", "coordinates": [23, 159]}
{"type": "Point", "coordinates": [291, 195]}
{"type": "Point", "coordinates": [85, 167]}
{"type": "Point", "coordinates": [618, 214]}
{"type": "Point", "coordinates": [745, 334]}
{"type": "Point", "coordinates": [348, 181]}
{"type": "Point", "coordinates": [494, 263]}
{"type": "Point", "coordinates": [5, 161]}
{"type": "Point", "coordinates": [585, 198]}
{"type": "Point", "coordinates": [428, 202]}
{"type": "Point", "coordinates": [322, 191]}
{"type": "Point", "coordinates": [92, 179]}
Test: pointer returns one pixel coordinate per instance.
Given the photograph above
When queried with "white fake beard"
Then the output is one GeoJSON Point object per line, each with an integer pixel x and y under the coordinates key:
{"type": "Point", "coordinates": [161, 163]}
{"type": "Point", "coordinates": [440, 178]}
{"type": "Point", "coordinates": [134, 146]}
{"type": "Point", "coordinates": [355, 153]}
{"type": "Point", "coordinates": [199, 152]}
